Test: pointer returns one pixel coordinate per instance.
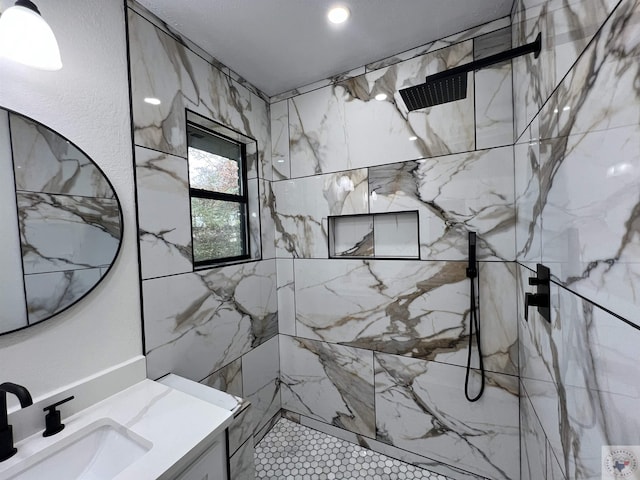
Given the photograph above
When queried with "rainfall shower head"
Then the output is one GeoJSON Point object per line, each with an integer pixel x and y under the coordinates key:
{"type": "Point", "coordinates": [451, 85]}
{"type": "Point", "coordinates": [445, 89]}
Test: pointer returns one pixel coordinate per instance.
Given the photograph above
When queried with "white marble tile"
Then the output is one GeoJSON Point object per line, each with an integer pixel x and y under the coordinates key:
{"type": "Point", "coordinates": [554, 471]}
{"type": "Point", "coordinates": [406, 307]}
{"type": "Point", "coordinates": [411, 308]}
{"type": "Point", "coordinates": [319, 84]}
{"type": "Point", "coordinates": [421, 407]}
{"type": "Point", "coordinates": [492, 43]}
{"type": "Point", "coordinates": [261, 381]}
{"type": "Point", "coordinates": [533, 443]}
{"type": "Point", "coordinates": [45, 162]}
{"type": "Point", "coordinates": [341, 126]}
{"type": "Point", "coordinates": [267, 223]}
{"type": "Point", "coordinates": [51, 292]}
{"type": "Point", "coordinates": [164, 26]}
{"type": "Point", "coordinates": [228, 379]}
{"type": "Point", "coordinates": [566, 27]}
{"type": "Point", "coordinates": [588, 237]}
{"type": "Point", "coordinates": [248, 85]}
{"type": "Point", "coordinates": [286, 297]}
{"type": "Point", "coordinates": [454, 194]}
{"type": "Point", "coordinates": [164, 214]}
{"type": "Point", "coordinates": [438, 44]}
{"type": "Point", "coordinates": [494, 106]}
{"type": "Point", "coordinates": [261, 433]}
{"type": "Point", "coordinates": [316, 132]}
{"type": "Point", "coordinates": [396, 235]}
{"type": "Point", "coordinates": [351, 236]}
{"type": "Point", "coordinates": [575, 371]}
{"type": "Point", "coordinates": [600, 395]}
{"type": "Point", "coordinates": [599, 93]}
{"type": "Point", "coordinates": [199, 322]}
{"type": "Point", "coordinates": [241, 430]}
{"type": "Point", "coordinates": [588, 167]}
{"type": "Point", "coordinates": [255, 217]}
{"type": "Point", "coordinates": [303, 205]}
{"type": "Point", "coordinates": [60, 232]}
{"type": "Point", "coordinates": [493, 86]}
{"type": "Point", "coordinates": [279, 117]}
{"type": "Point", "coordinates": [328, 382]}
{"type": "Point", "coordinates": [163, 68]}
{"type": "Point", "coordinates": [535, 334]}
{"type": "Point", "coordinates": [527, 191]}
{"type": "Point", "coordinates": [498, 317]}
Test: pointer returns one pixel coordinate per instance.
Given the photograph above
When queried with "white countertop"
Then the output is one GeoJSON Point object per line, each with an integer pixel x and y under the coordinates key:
{"type": "Point", "coordinates": [180, 427]}
{"type": "Point", "coordinates": [203, 392]}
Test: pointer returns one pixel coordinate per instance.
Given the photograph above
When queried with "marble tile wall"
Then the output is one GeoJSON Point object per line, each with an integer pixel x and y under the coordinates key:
{"type": "Point", "coordinates": [218, 325]}
{"type": "Point", "coordinates": [376, 349]}
{"type": "Point", "coordinates": [578, 374]}
{"type": "Point", "coordinates": [567, 27]}
{"type": "Point", "coordinates": [577, 161]}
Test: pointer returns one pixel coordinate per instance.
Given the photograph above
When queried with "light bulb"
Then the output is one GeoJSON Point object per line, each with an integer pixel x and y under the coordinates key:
{"type": "Point", "coordinates": [25, 37]}
{"type": "Point", "coordinates": [338, 14]}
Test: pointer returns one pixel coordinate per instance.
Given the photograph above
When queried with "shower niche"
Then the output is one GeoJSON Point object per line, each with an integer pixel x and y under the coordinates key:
{"type": "Point", "coordinates": [393, 235]}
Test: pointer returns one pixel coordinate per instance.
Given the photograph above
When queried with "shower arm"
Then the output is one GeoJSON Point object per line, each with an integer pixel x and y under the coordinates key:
{"type": "Point", "coordinates": [533, 47]}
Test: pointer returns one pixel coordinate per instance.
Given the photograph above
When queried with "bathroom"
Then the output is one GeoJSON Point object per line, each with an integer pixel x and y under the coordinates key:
{"type": "Point", "coordinates": [538, 160]}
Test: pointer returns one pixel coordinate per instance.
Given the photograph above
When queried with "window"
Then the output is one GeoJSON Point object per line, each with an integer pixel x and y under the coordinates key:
{"type": "Point", "coordinates": [219, 200]}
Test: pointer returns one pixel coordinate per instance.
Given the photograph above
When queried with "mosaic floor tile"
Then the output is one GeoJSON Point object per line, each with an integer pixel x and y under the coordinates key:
{"type": "Point", "coordinates": [293, 451]}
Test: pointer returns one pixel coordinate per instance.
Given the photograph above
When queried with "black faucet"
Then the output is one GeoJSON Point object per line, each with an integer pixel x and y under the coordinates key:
{"type": "Point", "coordinates": [7, 450]}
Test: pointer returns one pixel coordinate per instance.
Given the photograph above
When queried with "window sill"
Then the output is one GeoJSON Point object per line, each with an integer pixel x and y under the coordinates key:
{"type": "Point", "coordinates": [213, 265]}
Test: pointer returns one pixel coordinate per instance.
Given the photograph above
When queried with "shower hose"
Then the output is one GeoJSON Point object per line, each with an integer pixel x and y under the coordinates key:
{"type": "Point", "coordinates": [474, 323]}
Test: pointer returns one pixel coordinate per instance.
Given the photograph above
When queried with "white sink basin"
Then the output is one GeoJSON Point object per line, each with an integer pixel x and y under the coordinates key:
{"type": "Point", "coordinates": [100, 450]}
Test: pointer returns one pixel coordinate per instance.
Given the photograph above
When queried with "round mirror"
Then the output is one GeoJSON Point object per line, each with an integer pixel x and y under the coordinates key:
{"type": "Point", "coordinates": [61, 220]}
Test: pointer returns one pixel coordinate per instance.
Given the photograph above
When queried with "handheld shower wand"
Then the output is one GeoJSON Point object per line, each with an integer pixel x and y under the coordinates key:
{"type": "Point", "coordinates": [472, 270]}
{"type": "Point", "coordinates": [474, 322]}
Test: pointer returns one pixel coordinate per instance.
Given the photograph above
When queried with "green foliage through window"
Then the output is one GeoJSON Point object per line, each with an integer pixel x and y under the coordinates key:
{"type": "Point", "coordinates": [217, 177]}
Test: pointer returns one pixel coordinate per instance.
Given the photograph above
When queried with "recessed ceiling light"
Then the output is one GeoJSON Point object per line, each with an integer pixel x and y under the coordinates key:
{"type": "Point", "coordinates": [152, 101]}
{"type": "Point", "coordinates": [338, 14]}
{"type": "Point", "coordinates": [381, 96]}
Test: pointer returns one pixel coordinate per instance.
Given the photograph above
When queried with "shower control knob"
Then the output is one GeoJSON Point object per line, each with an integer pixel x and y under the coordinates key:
{"type": "Point", "coordinates": [540, 299]}
{"type": "Point", "coordinates": [534, 300]}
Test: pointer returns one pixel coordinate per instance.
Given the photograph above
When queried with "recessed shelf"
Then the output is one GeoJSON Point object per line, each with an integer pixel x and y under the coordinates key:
{"type": "Point", "coordinates": [377, 235]}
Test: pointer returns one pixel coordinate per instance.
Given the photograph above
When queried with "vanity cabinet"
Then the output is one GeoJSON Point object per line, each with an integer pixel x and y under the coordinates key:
{"type": "Point", "coordinates": [211, 465]}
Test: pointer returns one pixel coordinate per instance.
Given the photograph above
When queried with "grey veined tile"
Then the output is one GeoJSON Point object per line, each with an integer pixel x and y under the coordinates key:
{"type": "Point", "coordinates": [453, 194]}
{"type": "Point", "coordinates": [328, 382]}
{"type": "Point", "coordinates": [421, 407]}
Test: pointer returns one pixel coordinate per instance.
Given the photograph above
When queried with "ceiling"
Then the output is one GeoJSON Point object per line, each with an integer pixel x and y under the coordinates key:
{"type": "Point", "coordinates": [278, 45]}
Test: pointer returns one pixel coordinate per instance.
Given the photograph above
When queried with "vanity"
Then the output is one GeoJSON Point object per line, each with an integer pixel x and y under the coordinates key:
{"type": "Point", "coordinates": [150, 430]}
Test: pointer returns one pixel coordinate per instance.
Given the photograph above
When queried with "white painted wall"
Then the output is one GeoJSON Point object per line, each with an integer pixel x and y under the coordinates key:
{"type": "Point", "coordinates": [87, 102]}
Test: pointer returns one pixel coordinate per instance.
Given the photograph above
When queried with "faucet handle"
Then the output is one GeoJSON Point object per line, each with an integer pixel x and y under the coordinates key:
{"type": "Point", "coordinates": [52, 420]}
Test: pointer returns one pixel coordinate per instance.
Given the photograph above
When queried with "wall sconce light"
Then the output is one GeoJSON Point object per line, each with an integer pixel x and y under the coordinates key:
{"type": "Point", "coordinates": [25, 37]}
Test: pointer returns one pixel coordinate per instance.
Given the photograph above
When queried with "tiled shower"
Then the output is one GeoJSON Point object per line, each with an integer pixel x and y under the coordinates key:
{"type": "Point", "coordinates": [542, 160]}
